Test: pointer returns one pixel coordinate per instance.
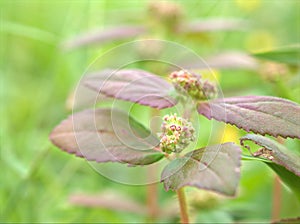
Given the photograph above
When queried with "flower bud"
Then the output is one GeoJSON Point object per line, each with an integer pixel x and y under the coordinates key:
{"type": "Point", "coordinates": [177, 134]}
{"type": "Point", "coordinates": [192, 85]}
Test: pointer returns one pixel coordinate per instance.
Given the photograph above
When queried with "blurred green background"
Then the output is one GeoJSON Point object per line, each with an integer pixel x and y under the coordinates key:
{"type": "Point", "coordinates": [37, 77]}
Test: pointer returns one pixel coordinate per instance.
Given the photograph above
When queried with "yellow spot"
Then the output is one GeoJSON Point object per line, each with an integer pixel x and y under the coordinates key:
{"type": "Point", "coordinates": [248, 5]}
{"type": "Point", "coordinates": [260, 41]}
{"type": "Point", "coordinates": [229, 134]}
{"type": "Point", "coordinates": [210, 74]}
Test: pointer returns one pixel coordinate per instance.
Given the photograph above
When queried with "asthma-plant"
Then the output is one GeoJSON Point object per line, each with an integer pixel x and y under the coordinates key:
{"type": "Point", "coordinates": [216, 167]}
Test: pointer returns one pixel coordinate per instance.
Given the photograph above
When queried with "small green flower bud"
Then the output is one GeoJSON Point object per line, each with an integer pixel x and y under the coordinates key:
{"type": "Point", "coordinates": [177, 134]}
{"type": "Point", "coordinates": [191, 84]}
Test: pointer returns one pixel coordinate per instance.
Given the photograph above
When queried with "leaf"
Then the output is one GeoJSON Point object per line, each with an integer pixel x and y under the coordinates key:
{"type": "Point", "coordinates": [288, 177]}
{"type": "Point", "coordinates": [232, 60]}
{"type": "Point", "coordinates": [288, 221]}
{"type": "Point", "coordinates": [213, 25]}
{"type": "Point", "coordinates": [283, 161]}
{"type": "Point", "coordinates": [224, 60]}
{"type": "Point", "coordinates": [102, 36]}
{"type": "Point", "coordinates": [105, 135]}
{"type": "Point", "coordinates": [275, 152]}
{"type": "Point", "coordinates": [109, 200]}
{"type": "Point", "coordinates": [289, 55]}
{"type": "Point", "coordinates": [215, 168]}
{"type": "Point", "coordinates": [133, 85]}
{"type": "Point", "coordinates": [260, 114]}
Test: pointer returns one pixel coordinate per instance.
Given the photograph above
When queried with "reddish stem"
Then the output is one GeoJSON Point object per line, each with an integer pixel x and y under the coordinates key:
{"type": "Point", "coordinates": [276, 207]}
{"type": "Point", "coordinates": [152, 195]}
{"type": "Point", "coordinates": [183, 206]}
{"type": "Point", "coordinates": [152, 200]}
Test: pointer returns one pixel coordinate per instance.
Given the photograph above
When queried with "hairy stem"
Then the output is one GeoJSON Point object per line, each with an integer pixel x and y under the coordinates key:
{"type": "Point", "coordinates": [183, 206]}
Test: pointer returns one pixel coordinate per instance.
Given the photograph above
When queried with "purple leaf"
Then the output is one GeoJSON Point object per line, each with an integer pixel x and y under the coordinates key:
{"type": "Point", "coordinates": [224, 60]}
{"type": "Point", "coordinates": [133, 85]}
{"type": "Point", "coordinates": [213, 25]}
{"type": "Point", "coordinates": [115, 201]}
{"type": "Point", "coordinates": [232, 60]}
{"type": "Point", "coordinates": [259, 114]}
{"type": "Point", "coordinates": [102, 36]}
{"type": "Point", "coordinates": [275, 152]}
{"type": "Point", "coordinates": [106, 135]}
{"type": "Point", "coordinates": [295, 220]}
{"type": "Point", "coordinates": [215, 168]}
{"type": "Point", "coordinates": [109, 200]}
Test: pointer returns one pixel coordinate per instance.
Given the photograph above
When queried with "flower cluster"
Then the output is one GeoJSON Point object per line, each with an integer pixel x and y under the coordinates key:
{"type": "Point", "coordinates": [166, 13]}
{"type": "Point", "coordinates": [177, 134]}
{"type": "Point", "coordinates": [191, 84]}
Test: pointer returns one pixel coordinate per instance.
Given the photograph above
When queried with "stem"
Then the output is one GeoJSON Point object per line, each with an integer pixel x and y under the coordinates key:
{"type": "Point", "coordinates": [183, 206]}
{"type": "Point", "coordinates": [152, 193]}
{"type": "Point", "coordinates": [152, 197]}
{"type": "Point", "coordinates": [276, 199]}
{"type": "Point", "coordinates": [276, 205]}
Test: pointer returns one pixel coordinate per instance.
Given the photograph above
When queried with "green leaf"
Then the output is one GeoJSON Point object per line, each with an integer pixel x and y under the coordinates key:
{"type": "Point", "coordinates": [287, 55]}
{"type": "Point", "coordinates": [106, 135]}
{"type": "Point", "coordinates": [288, 177]}
{"type": "Point", "coordinates": [215, 168]}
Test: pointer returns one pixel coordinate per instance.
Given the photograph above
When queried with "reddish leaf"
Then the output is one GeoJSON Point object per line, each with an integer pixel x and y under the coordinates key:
{"type": "Point", "coordinates": [287, 221]}
{"type": "Point", "coordinates": [117, 202]}
{"type": "Point", "coordinates": [106, 35]}
{"type": "Point", "coordinates": [260, 114]}
{"type": "Point", "coordinates": [109, 200]}
{"type": "Point", "coordinates": [213, 25]}
{"type": "Point", "coordinates": [275, 152]}
{"type": "Point", "coordinates": [133, 85]}
{"type": "Point", "coordinates": [215, 168]}
{"type": "Point", "coordinates": [106, 135]}
{"type": "Point", "coordinates": [224, 60]}
{"type": "Point", "coordinates": [232, 60]}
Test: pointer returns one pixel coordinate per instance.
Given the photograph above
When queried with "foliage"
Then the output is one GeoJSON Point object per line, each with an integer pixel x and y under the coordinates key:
{"type": "Point", "coordinates": [40, 70]}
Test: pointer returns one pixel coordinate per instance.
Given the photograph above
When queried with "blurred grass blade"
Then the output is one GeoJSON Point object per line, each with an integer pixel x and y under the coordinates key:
{"type": "Point", "coordinates": [28, 31]}
{"type": "Point", "coordinates": [288, 55]}
{"type": "Point", "coordinates": [102, 36]}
